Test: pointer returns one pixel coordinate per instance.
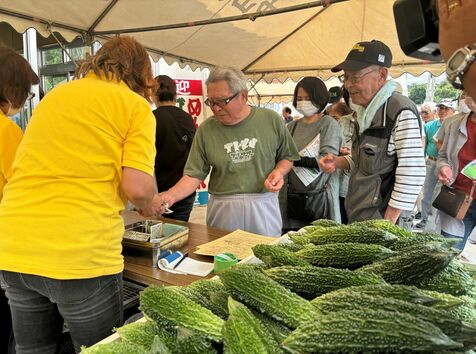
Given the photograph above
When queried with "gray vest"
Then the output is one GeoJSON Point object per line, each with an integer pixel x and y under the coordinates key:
{"type": "Point", "coordinates": [371, 181]}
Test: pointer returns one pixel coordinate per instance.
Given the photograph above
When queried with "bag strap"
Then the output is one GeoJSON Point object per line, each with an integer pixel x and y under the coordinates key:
{"type": "Point", "coordinates": [472, 189]}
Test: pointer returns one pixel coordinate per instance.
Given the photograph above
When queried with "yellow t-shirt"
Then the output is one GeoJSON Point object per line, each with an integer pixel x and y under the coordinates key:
{"type": "Point", "coordinates": [60, 214]}
{"type": "Point", "coordinates": [10, 137]}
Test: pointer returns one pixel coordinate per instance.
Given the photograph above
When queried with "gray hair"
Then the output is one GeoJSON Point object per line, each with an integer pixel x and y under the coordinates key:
{"type": "Point", "coordinates": [431, 105]}
{"type": "Point", "coordinates": [235, 78]}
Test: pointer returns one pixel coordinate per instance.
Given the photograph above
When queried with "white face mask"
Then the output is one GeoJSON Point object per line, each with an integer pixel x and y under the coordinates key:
{"type": "Point", "coordinates": [469, 102]}
{"type": "Point", "coordinates": [306, 108]}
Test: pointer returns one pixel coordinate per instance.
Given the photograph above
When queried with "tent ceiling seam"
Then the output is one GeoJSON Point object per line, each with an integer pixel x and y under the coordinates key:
{"type": "Point", "coordinates": [250, 16]}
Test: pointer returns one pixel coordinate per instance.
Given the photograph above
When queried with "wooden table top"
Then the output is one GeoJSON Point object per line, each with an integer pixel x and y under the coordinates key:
{"type": "Point", "coordinates": [146, 275]}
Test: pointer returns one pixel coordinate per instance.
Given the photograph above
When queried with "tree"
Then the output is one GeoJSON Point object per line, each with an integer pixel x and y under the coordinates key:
{"type": "Point", "coordinates": [417, 93]}
{"type": "Point", "coordinates": [445, 90]}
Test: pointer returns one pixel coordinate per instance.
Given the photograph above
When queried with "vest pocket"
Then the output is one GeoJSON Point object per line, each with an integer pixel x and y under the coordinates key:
{"type": "Point", "coordinates": [370, 158]}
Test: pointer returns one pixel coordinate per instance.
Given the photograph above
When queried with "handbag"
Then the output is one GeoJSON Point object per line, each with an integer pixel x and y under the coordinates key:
{"type": "Point", "coordinates": [454, 202]}
{"type": "Point", "coordinates": [308, 206]}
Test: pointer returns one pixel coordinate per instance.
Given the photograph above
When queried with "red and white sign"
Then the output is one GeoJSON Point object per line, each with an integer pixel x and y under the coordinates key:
{"type": "Point", "coordinates": [190, 98]}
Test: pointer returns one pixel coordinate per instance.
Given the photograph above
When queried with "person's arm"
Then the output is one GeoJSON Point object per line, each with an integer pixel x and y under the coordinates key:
{"type": "Point", "coordinates": [139, 188]}
{"type": "Point", "coordinates": [456, 30]}
{"type": "Point", "coordinates": [182, 189]}
{"type": "Point", "coordinates": [411, 170]}
{"type": "Point", "coordinates": [330, 163]}
{"type": "Point", "coordinates": [275, 180]}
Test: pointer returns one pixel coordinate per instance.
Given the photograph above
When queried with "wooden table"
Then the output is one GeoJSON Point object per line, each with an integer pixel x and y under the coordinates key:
{"type": "Point", "coordinates": [146, 275]}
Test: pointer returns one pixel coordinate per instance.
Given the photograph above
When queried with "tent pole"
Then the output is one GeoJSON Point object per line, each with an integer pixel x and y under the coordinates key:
{"type": "Point", "coordinates": [251, 16]}
{"type": "Point", "coordinates": [102, 15]}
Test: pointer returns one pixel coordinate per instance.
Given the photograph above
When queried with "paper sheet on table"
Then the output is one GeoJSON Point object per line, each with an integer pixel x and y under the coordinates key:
{"type": "Point", "coordinates": [238, 242]}
{"type": "Point", "coordinates": [308, 175]}
{"type": "Point", "coordinates": [180, 264]}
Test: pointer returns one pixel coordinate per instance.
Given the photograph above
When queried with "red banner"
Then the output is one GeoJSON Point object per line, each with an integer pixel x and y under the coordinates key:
{"type": "Point", "coordinates": [189, 87]}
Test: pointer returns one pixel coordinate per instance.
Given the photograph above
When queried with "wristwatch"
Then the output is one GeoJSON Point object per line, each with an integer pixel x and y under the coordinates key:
{"type": "Point", "coordinates": [459, 63]}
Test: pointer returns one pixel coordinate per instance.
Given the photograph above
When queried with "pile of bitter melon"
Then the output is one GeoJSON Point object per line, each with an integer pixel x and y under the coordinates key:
{"type": "Point", "coordinates": [369, 287]}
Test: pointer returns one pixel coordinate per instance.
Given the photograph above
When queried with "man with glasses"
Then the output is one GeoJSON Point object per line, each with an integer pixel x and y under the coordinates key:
{"type": "Point", "coordinates": [248, 150]}
{"type": "Point", "coordinates": [443, 109]}
{"type": "Point", "coordinates": [428, 112]}
{"type": "Point", "coordinates": [387, 162]}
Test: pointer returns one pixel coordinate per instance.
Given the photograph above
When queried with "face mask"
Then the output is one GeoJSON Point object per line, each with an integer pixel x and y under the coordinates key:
{"type": "Point", "coordinates": [470, 104]}
{"type": "Point", "coordinates": [306, 108]}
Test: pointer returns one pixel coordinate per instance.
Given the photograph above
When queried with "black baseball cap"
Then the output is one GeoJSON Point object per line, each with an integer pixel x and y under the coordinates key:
{"type": "Point", "coordinates": [364, 54]}
{"type": "Point", "coordinates": [335, 94]}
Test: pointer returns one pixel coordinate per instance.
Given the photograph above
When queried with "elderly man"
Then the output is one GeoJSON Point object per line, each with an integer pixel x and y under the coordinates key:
{"type": "Point", "coordinates": [387, 162]}
{"type": "Point", "coordinates": [250, 151]}
{"type": "Point", "coordinates": [428, 111]}
{"type": "Point", "coordinates": [444, 110]}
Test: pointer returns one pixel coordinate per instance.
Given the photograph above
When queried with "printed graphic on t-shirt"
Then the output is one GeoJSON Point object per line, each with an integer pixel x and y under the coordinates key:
{"type": "Point", "coordinates": [241, 151]}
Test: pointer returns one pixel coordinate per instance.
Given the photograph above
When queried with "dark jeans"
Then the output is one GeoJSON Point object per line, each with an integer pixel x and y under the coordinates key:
{"type": "Point", "coordinates": [343, 213]}
{"type": "Point", "coordinates": [90, 308]}
{"type": "Point", "coordinates": [6, 320]}
{"type": "Point", "coordinates": [182, 209]}
{"type": "Point", "coordinates": [469, 224]}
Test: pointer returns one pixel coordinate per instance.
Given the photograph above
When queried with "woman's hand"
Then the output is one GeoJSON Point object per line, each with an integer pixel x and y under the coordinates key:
{"type": "Point", "coordinates": [446, 175]}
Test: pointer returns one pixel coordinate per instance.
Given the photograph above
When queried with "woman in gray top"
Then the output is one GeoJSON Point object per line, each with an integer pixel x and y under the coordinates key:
{"type": "Point", "coordinates": [315, 135]}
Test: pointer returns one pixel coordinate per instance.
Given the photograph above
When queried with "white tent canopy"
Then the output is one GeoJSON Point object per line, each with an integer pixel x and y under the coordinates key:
{"type": "Point", "coordinates": [270, 39]}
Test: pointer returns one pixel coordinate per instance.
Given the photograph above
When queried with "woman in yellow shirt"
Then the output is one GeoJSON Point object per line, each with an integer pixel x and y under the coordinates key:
{"type": "Point", "coordinates": [89, 146]}
{"type": "Point", "coordinates": [16, 79]}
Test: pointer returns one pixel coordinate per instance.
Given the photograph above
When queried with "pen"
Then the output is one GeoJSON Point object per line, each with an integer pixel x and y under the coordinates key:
{"type": "Point", "coordinates": [178, 263]}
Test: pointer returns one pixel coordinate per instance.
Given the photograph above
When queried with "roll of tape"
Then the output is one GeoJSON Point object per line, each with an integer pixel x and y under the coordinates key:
{"type": "Point", "coordinates": [223, 261]}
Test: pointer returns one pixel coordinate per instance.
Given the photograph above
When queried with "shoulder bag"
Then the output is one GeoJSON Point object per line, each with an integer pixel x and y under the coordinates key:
{"type": "Point", "coordinates": [308, 206]}
{"type": "Point", "coordinates": [454, 202]}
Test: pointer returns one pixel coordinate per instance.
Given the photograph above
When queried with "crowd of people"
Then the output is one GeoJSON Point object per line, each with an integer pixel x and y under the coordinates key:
{"type": "Point", "coordinates": [363, 151]}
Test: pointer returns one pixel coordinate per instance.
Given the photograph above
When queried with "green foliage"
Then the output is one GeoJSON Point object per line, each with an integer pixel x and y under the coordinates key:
{"type": "Point", "coordinates": [445, 90]}
{"type": "Point", "coordinates": [417, 93]}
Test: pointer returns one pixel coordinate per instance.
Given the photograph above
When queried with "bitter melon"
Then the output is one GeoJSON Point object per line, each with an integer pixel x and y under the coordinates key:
{"type": "Point", "coordinates": [190, 342]}
{"type": "Point", "coordinates": [139, 333]}
{"type": "Point", "coordinates": [353, 234]}
{"type": "Point", "coordinates": [412, 268]}
{"type": "Point", "coordinates": [243, 333]}
{"type": "Point", "coordinates": [368, 331]}
{"type": "Point", "coordinates": [464, 313]}
{"type": "Point", "coordinates": [278, 330]}
{"type": "Point", "coordinates": [117, 347]}
{"type": "Point", "coordinates": [274, 256]}
{"type": "Point", "coordinates": [417, 238]}
{"type": "Point", "coordinates": [310, 282]}
{"type": "Point", "coordinates": [344, 255]}
{"type": "Point", "coordinates": [325, 223]}
{"type": "Point", "coordinates": [167, 303]}
{"type": "Point", "coordinates": [396, 291]}
{"type": "Point", "coordinates": [386, 225]}
{"type": "Point", "coordinates": [260, 292]}
{"type": "Point", "coordinates": [452, 280]}
{"type": "Point", "coordinates": [346, 300]}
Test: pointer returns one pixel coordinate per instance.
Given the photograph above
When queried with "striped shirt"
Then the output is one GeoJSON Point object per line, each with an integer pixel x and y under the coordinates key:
{"type": "Point", "coordinates": [406, 141]}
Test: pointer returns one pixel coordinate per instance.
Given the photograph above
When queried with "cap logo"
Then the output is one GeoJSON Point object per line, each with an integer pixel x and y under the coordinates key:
{"type": "Point", "coordinates": [358, 47]}
{"type": "Point", "coordinates": [381, 58]}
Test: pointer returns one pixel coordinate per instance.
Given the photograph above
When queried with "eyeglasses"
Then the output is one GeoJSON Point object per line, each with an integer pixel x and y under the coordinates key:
{"type": "Point", "coordinates": [220, 102]}
{"type": "Point", "coordinates": [31, 95]}
{"type": "Point", "coordinates": [355, 78]}
{"type": "Point", "coordinates": [424, 112]}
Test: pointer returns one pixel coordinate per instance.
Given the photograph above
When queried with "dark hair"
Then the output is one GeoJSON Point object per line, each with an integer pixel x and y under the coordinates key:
{"type": "Point", "coordinates": [287, 110]}
{"type": "Point", "coordinates": [340, 108]}
{"type": "Point", "coordinates": [345, 96]}
{"type": "Point", "coordinates": [16, 77]}
{"type": "Point", "coordinates": [166, 88]}
{"type": "Point", "coordinates": [317, 91]}
{"type": "Point", "coordinates": [122, 58]}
